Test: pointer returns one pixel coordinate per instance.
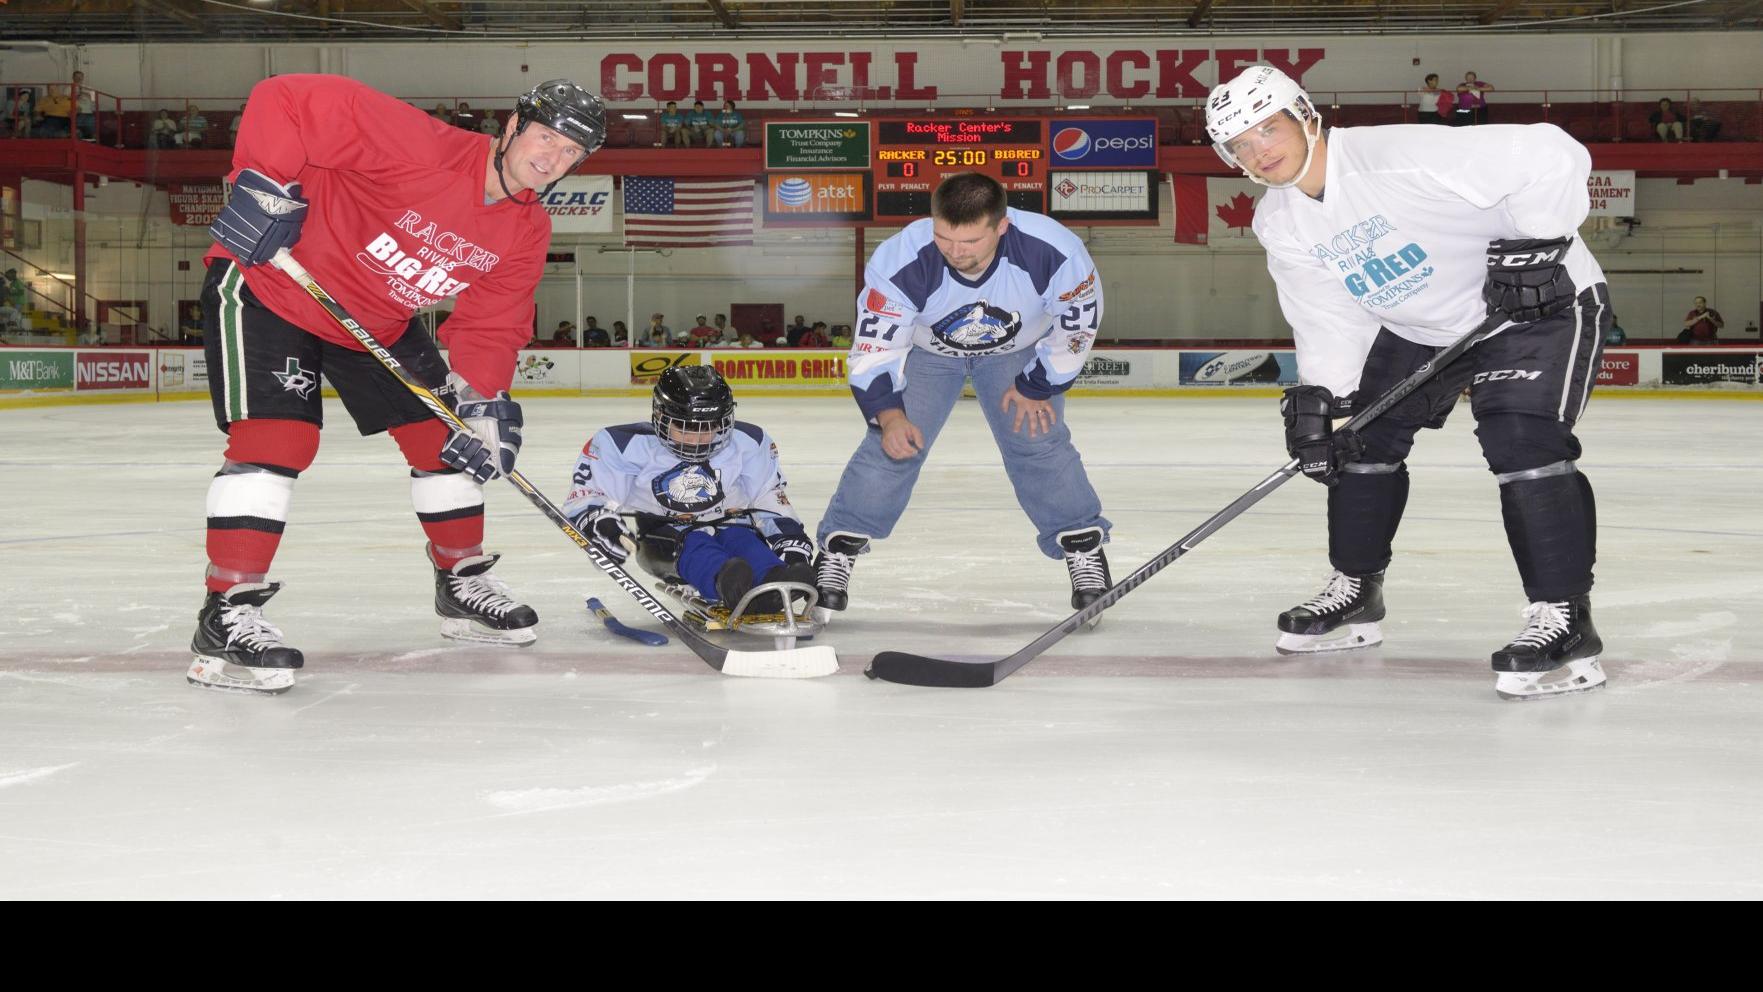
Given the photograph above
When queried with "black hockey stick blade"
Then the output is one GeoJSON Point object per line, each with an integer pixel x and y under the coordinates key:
{"type": "Point", "coordinates": [912, 669]}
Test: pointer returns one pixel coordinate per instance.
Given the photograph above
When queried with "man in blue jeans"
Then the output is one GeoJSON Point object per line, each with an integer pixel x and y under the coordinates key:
{"type": "Point", "coordinates": [1010, 299]}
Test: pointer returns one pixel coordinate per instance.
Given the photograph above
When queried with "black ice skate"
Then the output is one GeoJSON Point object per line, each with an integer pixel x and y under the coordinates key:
{"type": "Point", "coordinates": [772, 601]}
{"type": "Point", "coordinates": [1556, 652]}
{"type": "Point", "coordinates": [1088, 565]}
{"type": "Point", "coordinates": [832, 567]}
{"type": "Point", "coordinates": [236, 648]}
{"type": "Point", "coordinates": [474, 606]}
{"type": "Point", "coordinates": [1341, 617]}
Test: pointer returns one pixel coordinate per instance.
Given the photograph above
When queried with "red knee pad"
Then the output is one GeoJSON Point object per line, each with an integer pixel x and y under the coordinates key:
{"type": "Point", "coordinates": [421, 443]}
{"type": "Point", "coordinates": [289, 444]}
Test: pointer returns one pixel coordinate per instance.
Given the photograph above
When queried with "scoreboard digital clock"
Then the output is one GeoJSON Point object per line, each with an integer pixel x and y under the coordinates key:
{"type": "Point", "coordinates": [912, 156]}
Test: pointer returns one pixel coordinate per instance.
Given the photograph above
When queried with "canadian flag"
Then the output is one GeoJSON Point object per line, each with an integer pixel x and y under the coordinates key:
{"type": "Point", "coordinates": [1209, 210]}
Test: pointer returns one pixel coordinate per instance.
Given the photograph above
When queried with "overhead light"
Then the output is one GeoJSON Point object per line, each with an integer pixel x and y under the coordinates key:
{"type": "Point", "coordinates": [1078, 106]}
{"type": "Point", "coordinates": [64, 276]}
{"type": "Point", "coordinates": [843, 113]}
{"type": "Point", "coordinates": [635, 117]}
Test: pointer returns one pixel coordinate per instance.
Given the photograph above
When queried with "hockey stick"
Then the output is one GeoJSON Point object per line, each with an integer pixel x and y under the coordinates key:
{"type": "Point", "coordinates": [912, 669]}
{"type": "Point", "coordinates": [793, 663]}
{"type": "Point", "coordinates": [613, 624]}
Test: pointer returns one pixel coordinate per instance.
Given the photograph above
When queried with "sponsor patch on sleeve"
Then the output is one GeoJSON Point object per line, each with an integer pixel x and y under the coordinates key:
{"type": "Point", "coordinates": [877, 302]}
{"type": "Point", "coordinates": [1082, 291]}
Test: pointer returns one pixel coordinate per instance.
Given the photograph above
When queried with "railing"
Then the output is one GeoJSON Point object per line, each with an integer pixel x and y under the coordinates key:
{"type": "Point", "coordinates": [66, 313]}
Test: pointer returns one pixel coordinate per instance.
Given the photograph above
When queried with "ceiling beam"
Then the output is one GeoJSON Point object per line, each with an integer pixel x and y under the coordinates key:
{"type": "Point", "coordinates": [955, 12]}
{"type": "Point", "coordinates": [175, 10]}
{"type": "Point", "coordinates": [721, 12]}
{"type": "Point", "coordinates": [436, 16]}
{"type": "Point", "coordinates": [1498, 11]}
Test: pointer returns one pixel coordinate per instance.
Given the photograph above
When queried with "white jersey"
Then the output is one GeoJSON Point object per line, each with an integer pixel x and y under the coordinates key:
{"type": "Point", "coordinates": [1400, 237]}
{"type": "Point", "coordinates": [628, 469]}
{"type": "Point", "coordinates": [1041, 291]}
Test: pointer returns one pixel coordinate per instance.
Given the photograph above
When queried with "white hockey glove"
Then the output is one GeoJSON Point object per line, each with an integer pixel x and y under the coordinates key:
{"type": "Point", "coordinates": [605, 528]}
{"type": "Point", "coordinates": [490, 448]}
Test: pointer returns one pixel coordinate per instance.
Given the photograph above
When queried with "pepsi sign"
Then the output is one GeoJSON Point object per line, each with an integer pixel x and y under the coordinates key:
{"type": "Point", "coordinates": [1088, 143]}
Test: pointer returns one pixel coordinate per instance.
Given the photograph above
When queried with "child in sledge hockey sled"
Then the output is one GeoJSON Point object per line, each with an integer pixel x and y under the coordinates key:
{"type": "Point", "coordinates": [707, 507]}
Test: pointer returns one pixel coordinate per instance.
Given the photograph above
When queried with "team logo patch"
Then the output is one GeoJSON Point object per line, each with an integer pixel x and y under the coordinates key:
{"type": "Point", "coordinates": [687, 488]}
{"type": "Point", "coordinates": [877, 302]}
{"type": "Point", "coordinates": [297, 380]}
{"type": "Point", "coordinates": [978, 327]}
{"type": "Point", "coordinates": [1082, 291]}
{"type": "Point", "coordinates": [1080, 341]}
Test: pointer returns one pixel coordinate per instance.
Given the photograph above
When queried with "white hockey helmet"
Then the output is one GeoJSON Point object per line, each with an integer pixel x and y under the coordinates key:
{"type": "Point", "coordinates": [1257, 93]}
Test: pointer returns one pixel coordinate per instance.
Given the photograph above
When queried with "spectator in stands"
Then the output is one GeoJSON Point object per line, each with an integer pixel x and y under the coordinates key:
{"type": "Point", "coordinates": [489, 125]}
{"type": "Point", "coordinates": [731, 127]}
{"type": "Point", "coordinates": [673, 126]}
{"type": "Point", "coordinates": [464, 117]}
{"type": "Point", "coordinates": [1701, 325]}
{"type": "Point", "coordinates": [1667, 124]}
{"type": "Point", "coordinates": [702, 335]}
{"type": "Point", "coordinates": [1702, 127]}
{"type": "Point", "coordinates": [816, 337]}
{"type": "Point", "coordinates": [621, 336]}
{"type": "Point", "coordinates": [720, 322]}
{"type": "Point", "coordinates": [747, 340]}
{"type": "Point", "coordinates": [232, 128]}
{"type": "Point", "coordinates": [657, 334]}
{"type": "Point", "coordinates": [1435, 104]}
{"type": "Point", "coordinates": [21, 108]}
{"type": "Point", "coordinates": [1472, 104]}
{"type": "Point", "coordinates": [11, 319]}
{"type": "Point", "coordinates": [442, 114]}
{"type": "Point", "coordinates": [841, 335]}
{"type": "Point", "coordinates": [164, 133]}
{"type": "Point", "coordinates": [794, 332]}
{"type": "Point", "coordinates": [593, 335]}
{"type": "Point", "coordinates": [768, 334]}
{"type": "Point", "coordinates": [195, 127]}
{"type": "Point", "coordinates": [55, 114]}
{"type": "Point", "coordinates": [1616, 335]}
{"type": "Point", "coordinates": [698, 125]}
{"type": "Point", "coordinates": [565, 333]}
{"type": "Point", "coordinates": [85, 102]}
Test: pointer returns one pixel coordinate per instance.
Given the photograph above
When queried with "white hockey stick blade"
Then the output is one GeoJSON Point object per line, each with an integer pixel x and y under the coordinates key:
{"type": "Point", "coordinates": [794, 663]}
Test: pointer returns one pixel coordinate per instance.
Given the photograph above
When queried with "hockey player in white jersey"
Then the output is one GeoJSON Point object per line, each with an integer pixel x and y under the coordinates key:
{"type": "Point", "coordinates": [706, 492]}
{"type": "Point", "coordinates": [1009, 298]}
{"type": "Point", "coordinates": [1386, 244]}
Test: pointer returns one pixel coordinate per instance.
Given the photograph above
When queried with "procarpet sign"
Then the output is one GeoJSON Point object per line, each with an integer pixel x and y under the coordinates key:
{"type": "Point", "coordinates": [1105, 144]}
{"type": "Point", "coordinates": [113, 370]}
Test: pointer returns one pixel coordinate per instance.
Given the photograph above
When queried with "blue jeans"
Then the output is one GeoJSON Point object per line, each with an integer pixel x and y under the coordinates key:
{"type": "Point", "coordinates": [702, 555]}
{"type": "Point", "coordinates": [1045, 471]}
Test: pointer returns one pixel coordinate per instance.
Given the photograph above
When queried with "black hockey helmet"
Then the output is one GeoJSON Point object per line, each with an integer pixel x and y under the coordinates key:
{"type": "Point", "coordinates": [567, 109]}
{"type": "Point", "coordinates": [696, 400]}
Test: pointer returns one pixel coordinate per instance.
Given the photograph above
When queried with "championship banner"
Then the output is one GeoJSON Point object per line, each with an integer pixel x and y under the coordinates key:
{"type": "Point", "coordinates": [647, 366]}
{"type": "Point", "coordinates": [1239, 368]}
{"type": "Point", "coordinates": [195, 205]}
{"type": "Point", "coordinates": [822, 369]}
{"type": "Point", "coordinates": [1612, 192]}
{"type": "Point", "coordinates": [113, 370]}
{"type": "Point", "coordinates": [36, 369]}
{"type": "Point", "coordinates": [581, 205]}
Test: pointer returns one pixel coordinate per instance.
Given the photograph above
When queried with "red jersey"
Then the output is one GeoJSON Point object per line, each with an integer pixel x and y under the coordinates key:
{"type": "Point", "coordinates": [397, 223]}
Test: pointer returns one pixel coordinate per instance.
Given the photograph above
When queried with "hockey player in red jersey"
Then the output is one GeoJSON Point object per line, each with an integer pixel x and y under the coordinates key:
{"type": "Point", "coordinates": [392, 211]}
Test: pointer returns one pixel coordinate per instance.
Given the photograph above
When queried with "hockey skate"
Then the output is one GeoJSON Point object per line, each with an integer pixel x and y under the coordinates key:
{"type": "Point", "coordinates": [475, 606]}
{"type": "Point", "coordinates": [1556, 653]}
{"type": "Point", "coordinates": [832, 570]}
{"type": "Point", "coordinates": [757, 610]}
{"type": "Point", "coordinates": [236, 649]}
{"type": "Point", "coordinates": [1342, 617]}
{"type": "Point", "coordinates": [1088, 566]}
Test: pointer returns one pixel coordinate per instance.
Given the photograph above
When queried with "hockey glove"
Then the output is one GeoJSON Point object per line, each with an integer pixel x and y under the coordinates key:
{"type": "Point", "coordinates": [605, 528]}
{"type": "Point", "coordinates": [1310, 412]}
{"type": "Point", "coordinates": [794, 549]}
{"type": "Point", "coordinates": [260, 218]}
{"type": "Point", "coordinates": [1527, 279]}
{"type": "Point", "coordinates": [489, 449]}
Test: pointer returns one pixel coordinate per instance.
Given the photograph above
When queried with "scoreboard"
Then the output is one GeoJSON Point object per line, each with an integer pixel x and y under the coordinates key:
{"type": "Point", "coordinates": [912, 156]}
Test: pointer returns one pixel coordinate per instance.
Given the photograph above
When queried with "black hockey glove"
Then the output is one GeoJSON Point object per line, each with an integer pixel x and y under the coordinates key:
{"type": "Point", "coordinates": [490, 447]}
{"type": "Point", "coordinates": [1527, 279]}
{"type": "Point", "coordinates": [260, 218]}
{"type": "Point", "coordinates": [1310, 412]}
{"type": "Point", "coordinates": [605, 528]}
{"type": "Point", "coordinates": [794, 549]}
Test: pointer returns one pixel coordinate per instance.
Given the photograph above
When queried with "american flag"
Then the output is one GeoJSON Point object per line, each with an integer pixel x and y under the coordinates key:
{"type": "Point", "coordinates": [687, 213]}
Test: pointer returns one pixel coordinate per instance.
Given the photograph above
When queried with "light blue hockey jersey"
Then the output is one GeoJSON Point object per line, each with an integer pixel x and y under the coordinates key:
{"type": "Point", "coordinates": [1041, 291]}
{"type": "Point", "coordinates": [627, 468]}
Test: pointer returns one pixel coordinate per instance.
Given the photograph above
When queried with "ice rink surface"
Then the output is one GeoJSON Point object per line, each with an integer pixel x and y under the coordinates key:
{"type": "Point", "coordinates": [1169, 754]}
